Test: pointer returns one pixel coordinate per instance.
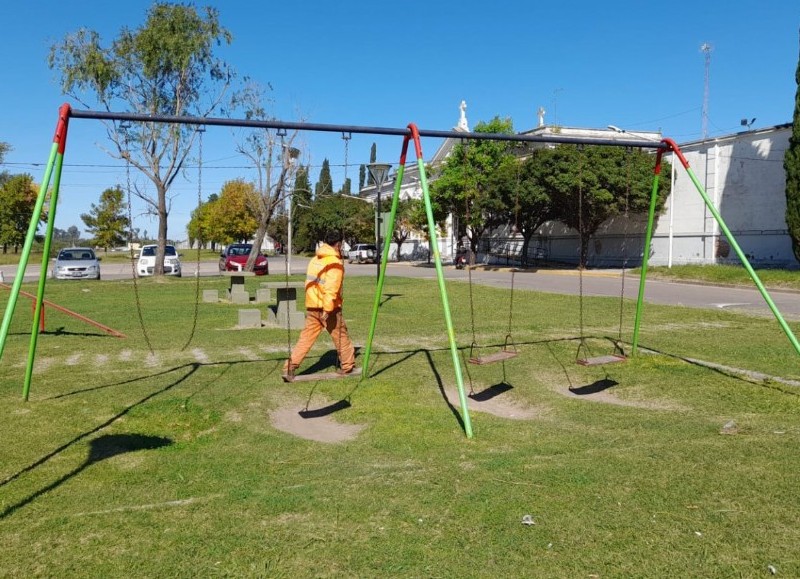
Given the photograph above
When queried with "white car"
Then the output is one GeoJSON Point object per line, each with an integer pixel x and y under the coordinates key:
{"type": "Point", "coordinates": [363, 253]}
{"type": "Point", "coordinates": [147, 261]}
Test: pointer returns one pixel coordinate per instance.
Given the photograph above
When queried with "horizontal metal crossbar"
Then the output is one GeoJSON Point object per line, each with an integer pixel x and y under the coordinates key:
{"type": "Point", "coordinates": [365, 130]}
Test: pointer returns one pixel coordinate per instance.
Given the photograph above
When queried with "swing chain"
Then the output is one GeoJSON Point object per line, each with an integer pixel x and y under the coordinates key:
{"type": "Point", "coordinates": [200, 130]}
{"type": "Point", "coordinates": [129, 185]}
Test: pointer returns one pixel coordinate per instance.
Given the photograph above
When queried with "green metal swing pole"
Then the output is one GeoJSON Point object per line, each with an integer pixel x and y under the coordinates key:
{"type": "Point", "coordinates": [39, 303]}
{"type": "Point", "coordinates": [58, 147]}
{"type": "Point", "coordinates": [646, 253]}
{"type": "Point", "coordinates": [671, 145]}
{"type": "Point", "coordinates": [382, 272]}
{"type": "Point", "coordinates": [414, 134]}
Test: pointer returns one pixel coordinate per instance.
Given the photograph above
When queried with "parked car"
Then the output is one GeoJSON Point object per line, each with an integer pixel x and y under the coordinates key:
{"type": "Point", "coordinates": [363, 253]}
{"type": "Point", "coordinates": [146, 262]}
{"type": "Point", "coordinates": [76, 263]}
{"type": "Point", "coordinates": [234, 258]}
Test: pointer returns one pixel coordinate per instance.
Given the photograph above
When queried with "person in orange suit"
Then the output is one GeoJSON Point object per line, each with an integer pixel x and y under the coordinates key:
{"type": "Point", "coordinates": [324, 278]}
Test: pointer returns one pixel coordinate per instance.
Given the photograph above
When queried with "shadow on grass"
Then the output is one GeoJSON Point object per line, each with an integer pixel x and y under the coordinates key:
{"type": "Point", "coordinates": [325, 410]}
{"type": "Point", "coordinates": [595, 387]}
{"type": "Point", "coordinates": [100, 448]}
{"type": "Point", "coordinates": [388, 297]}
{"type": "Point", "coordinates": [108, 445]}
{"type": "Point", "coordinates": [488, 393]}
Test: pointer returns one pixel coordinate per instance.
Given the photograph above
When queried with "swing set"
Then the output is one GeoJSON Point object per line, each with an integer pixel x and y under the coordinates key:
{"type": "Point", "coordinates": [410, 134]}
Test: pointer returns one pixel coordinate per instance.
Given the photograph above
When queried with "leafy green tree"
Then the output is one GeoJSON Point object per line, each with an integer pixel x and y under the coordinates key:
{"type": "Point", "coordinates": [351, 216]}
{"type": "Point", "coordinates": [523, 189]}
{"type": "Point", "coordinates": [74, 234]}
{"type": "Point", "coordinates": [200, 227]}
{"type": "Point", "coordinates": [301, 207]}
{"type": "Point", "coordinates": [165, 67]}
{"type": "Point", "coordinates": [403, 224]}
{"type": "Point", "coordinates": [791, 165]}
{"type": "Point", "coordinates": [362, 174]}
{"type": "Point", "coordinates": [17, 201]}
{"type": "Point", "coordinates": [418, 218]}
{"type": "Point", "coordinates": [107, 221]}
{"type": "Point", "coordinates": [465, 185]}
{"type": "Point", "coordinates": [231, 216]}
{"type": "Point", "coordinates": [590, 184]}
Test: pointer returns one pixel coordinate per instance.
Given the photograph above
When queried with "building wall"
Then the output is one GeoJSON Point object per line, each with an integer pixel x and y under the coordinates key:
{"type": "Point", "coordinates": [743, 175]}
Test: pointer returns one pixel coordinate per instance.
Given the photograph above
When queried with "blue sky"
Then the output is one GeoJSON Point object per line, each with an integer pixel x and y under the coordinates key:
{"type": "Point", "coordinates": [633, 64]}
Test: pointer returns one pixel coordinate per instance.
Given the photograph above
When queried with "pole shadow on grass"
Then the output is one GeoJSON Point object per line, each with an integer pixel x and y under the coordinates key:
{"type": "Point", "coordinates": [192, 368]}
{"type": "Point", "coordinates": [100, 448]}
{"type": "Point", "coordinates": [440, 384]}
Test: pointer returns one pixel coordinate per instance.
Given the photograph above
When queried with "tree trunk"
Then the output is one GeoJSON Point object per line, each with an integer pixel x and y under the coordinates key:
{"type": "Point", "coordinates": [526, 242]}
{"type": "Point", "coordinates": [258, 241]}
{"type": "Point", "coordinates": [584, 255]}
{"type": "Point", "coordinates": [162, 231]}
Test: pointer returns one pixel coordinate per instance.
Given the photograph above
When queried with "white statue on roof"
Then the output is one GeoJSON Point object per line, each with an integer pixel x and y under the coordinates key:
{"type": "Point", "coordinates": [541, 113]}
{"type": "Point", "coordinates": [462, 121]}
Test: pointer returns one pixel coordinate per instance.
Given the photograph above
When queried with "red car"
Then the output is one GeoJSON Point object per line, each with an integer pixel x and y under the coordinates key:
{"type": "Point", "coordinates": [234, 258]}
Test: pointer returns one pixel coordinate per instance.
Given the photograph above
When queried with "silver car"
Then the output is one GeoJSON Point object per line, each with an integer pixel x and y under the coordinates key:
{"type": "Point", "coordinates": [76, 263]}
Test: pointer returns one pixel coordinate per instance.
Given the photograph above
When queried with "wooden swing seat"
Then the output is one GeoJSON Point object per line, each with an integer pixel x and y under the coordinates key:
{"type": "Point", "coordinates": [500, 356]}
{"type": "Point", "coordinates": [320, 376]}
{"type": "Point", "coordinates": [600, 360]}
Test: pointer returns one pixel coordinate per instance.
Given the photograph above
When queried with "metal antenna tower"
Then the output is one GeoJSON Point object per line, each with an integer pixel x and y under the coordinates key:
{"type": "Point", "coordinates": [706, 49]}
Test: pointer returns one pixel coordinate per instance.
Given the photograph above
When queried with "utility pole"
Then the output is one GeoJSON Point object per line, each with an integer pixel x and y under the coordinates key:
{"type": "Point", "coordinates": [706, 49]}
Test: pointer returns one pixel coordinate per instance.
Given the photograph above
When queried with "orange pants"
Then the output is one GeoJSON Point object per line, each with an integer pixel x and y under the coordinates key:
{"type": "Point", "coordinates": [314, 326]}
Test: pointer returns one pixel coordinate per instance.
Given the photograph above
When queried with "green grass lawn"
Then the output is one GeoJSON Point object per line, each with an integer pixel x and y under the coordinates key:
{"type": "Point", "coordinates": [132, 463]}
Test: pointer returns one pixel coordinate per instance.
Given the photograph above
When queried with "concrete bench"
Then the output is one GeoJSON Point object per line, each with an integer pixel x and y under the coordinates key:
{"type": "Point", "coordinates": [237, 293]}
{"type": "Point", "coordinates": [284, 313]}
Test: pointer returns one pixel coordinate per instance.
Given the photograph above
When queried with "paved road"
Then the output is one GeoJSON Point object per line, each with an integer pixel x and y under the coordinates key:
{"type": "Point", "coordinates": [595, 283]}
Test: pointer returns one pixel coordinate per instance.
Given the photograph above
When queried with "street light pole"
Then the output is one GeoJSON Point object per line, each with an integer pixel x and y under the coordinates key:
{"type": "Point", "coordinates": [290, 154]}
{"type": "Point", "coordinates": [378, 171]}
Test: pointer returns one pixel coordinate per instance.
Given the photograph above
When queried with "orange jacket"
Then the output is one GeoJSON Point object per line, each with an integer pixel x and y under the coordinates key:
{"type": "Point", "coordinates": [324, 279]}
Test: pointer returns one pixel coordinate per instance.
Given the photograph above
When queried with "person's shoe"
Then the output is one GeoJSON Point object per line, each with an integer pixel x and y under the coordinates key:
{"type": "Point", "coordinates": [342, 372]}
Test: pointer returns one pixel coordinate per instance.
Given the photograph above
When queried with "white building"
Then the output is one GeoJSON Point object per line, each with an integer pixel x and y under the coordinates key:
{"type": "Point", "coordinates": [742, 174]}
{"type": "Point", "coordinates": [744, 177]}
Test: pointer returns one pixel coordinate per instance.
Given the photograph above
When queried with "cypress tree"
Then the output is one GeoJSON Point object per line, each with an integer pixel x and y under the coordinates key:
{"type": "Point", "coordinates": [791, 165]}
{"type": "Point", "coordinates": [325, 184]}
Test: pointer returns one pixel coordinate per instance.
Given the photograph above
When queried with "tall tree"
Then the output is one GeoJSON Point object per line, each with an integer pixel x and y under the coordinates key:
{"type": "Point", "coordinates": [362, 174]}
{"type": "Point", "coordinates": [465, 184]}
{"type": "Point", "coordinates": [791, 164]}
{"type": "Point", "coordinates": [373, 155]}
{"type": "Point", "coordinates": [324, 185]}
{"type": "Point", "coordinates": [107, 221]}
{"type": "Point", "coordinates": [301, 206]}
{"type": "Point", "coordinates": [523, 189]}
{"type": "Point", "coordinates": [4, 148]}
{"type": "Point", "coordinates": [403, 224]}
{"type": "Point", "coordinates": [231, 216]}
{"type": "Point", "coordinates": [165, 67]}
{"type": "Point", "coordinates": [17, 200]}
{"type": "Point", "coordinates": [200, 227]}
{"type": "Point", "coordinates": [351, 216]}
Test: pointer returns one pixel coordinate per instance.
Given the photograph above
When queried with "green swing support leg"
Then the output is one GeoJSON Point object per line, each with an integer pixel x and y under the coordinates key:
{"type": "Point", "coordinates": [670, 145]}
{"type": "Point", "coordinates": [414, 135]}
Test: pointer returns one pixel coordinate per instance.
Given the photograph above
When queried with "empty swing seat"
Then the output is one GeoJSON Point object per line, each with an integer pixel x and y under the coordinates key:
{"type": "Point", "coordinates": [320, 376]}
{"type": "Point", "coordinates": [600, 360]}
{"type": "Point", "coordinates": [500, 356]}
